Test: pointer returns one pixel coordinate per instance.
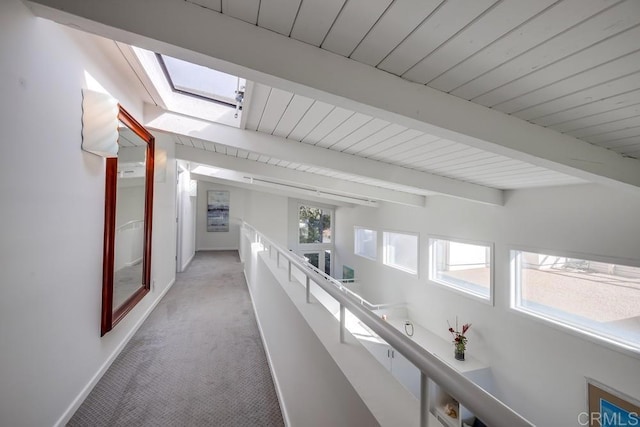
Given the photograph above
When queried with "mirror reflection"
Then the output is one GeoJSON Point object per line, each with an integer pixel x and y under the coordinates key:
{"type": "Point", "coordinates": [129, 230]}
{"type": "Point", "coordinates": [128, 212]}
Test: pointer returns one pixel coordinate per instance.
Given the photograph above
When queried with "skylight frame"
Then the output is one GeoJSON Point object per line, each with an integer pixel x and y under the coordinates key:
{"type": "Point", "coordinates": [175, 89]}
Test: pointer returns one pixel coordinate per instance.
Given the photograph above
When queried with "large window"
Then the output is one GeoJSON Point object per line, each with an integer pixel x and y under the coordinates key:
{"type": "Point", "coordinates": [598, 298]}
{"type": "Point", "coordinates": [314, 225]}
{"type": "Point", "coordinates": [365, 243]}
{"type": "Point", "coordinates": [465, 267]}
{"type": "Point", "coordinates": [400, 251]}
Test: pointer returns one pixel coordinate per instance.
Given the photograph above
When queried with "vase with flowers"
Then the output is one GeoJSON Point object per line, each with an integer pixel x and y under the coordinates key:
{"type": "Point", "coordinates": [459, 339]}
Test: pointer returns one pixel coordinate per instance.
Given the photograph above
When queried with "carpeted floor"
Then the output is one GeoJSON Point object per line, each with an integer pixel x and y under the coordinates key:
{"type": "Point", "coordinates": [196, 361]}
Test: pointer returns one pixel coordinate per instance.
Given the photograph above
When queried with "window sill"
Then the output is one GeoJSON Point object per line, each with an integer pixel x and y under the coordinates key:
{"type": "Point", "coordinates": [403, 269]}
{"type": "Point", "coordinates": [609, 343]}
{"type": "Point", "coordinates": [462, 291]}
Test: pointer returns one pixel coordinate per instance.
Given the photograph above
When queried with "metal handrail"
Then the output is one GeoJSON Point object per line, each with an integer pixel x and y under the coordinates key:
{"type": "Point", "coordinates": [480, 402]}
{"type": "Point", "coordinates": [338, 284]}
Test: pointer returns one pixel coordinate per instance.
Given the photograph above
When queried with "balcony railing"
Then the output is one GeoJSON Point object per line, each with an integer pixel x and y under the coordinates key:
{"type": "Point", "coordinates": [487, 407]}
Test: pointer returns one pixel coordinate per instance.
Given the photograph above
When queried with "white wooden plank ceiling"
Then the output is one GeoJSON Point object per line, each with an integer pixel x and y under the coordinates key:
{"type": "Point", "coordinates": [307, 121]}
{"type": "Point", "coordinates": [570, 65]}
{"type": "Point", "coordinates": [242, 154]}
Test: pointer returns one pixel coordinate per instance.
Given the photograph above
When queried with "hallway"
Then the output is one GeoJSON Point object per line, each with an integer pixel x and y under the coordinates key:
{"type": "Point", "coordinates": [197, 360]}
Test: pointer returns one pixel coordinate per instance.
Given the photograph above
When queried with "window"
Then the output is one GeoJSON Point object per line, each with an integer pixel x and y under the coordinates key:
{"type": "Point", "coordinates": [600, 299]}
{"type": "Point", "coordinates": [366, 243]}
{"type": "Point", "coordinates": [465, 267]}
{"type": "Point", "coordinates": [314, 258]}
{"type": "Point", "coordinates": [202, 82]}
{"type": "Point", "coordinates": [401, 251]}
{"type": "Point", "coordinates": [314, 225]}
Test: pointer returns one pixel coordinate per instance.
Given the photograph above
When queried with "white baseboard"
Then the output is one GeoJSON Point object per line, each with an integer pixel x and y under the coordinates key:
{"type": "Point", "coordinates": [186, 264]}
{"type": "Point", "coordinates": [66, 416]}
{"type": "Point", "coordinates": [283, 407]}
{"type": "Point", "coordinates": [134, 262]}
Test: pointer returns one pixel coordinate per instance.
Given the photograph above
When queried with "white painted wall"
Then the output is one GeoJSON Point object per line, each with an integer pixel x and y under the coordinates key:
{"type": "Point", "coordinates": [312, 389]}
{"type": "Point", "coordinates": [187, 206]}
{"type": "Point", "coordinates": [130, 201]}
{"type": "Point", "coordinates": [267, 212]}
{"type": "Point", "coordinates": [52, 219]}
{"type": "Point", "coordinates": [224, 240]}
{"type": "Point", "coordinates": [539, 370]}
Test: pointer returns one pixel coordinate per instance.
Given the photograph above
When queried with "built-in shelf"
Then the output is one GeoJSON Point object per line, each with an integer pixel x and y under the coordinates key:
{"type": "Point", "coordinates": [409, 376]}
{"type": "Point", "coordinates": [445, 419]}
{"type": "Point", "coordinates": [440, 347]}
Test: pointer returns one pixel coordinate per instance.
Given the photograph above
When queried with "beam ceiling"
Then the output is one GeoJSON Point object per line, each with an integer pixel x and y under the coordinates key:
{"type": "Point", "coordinates": [236, 47]}
{"type": "Point", "coordinates": [292, 151]}
{"type": "Point", "coordinates": [326, 186]}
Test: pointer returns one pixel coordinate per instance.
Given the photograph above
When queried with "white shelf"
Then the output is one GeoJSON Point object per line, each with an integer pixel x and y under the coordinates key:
{"type": "Point", "coordinates": [443, 349]}
{"type": "Point", "coordinates": [440, 347]}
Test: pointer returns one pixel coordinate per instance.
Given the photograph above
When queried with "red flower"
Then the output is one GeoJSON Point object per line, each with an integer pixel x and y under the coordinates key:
{"type": "Point", "coordinates": [459, 338]}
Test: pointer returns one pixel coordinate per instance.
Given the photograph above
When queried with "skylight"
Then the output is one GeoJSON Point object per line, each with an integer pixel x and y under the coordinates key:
{"type": "Point", "coordinates": [202, 82]}
{"type": "Point", "coordinates": [191, 90]}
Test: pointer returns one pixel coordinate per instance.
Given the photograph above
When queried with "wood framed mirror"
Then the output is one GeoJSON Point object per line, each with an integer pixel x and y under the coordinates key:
{"type": "Point", "coordinates": [127, 221]}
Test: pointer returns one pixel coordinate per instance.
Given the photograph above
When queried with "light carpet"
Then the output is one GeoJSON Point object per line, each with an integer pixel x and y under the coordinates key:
{"type": "Point", "coordinates": [196, 361]}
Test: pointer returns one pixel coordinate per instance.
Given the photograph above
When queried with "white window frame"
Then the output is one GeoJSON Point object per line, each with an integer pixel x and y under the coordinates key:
{"type": "Point", "coordinates": [399, 267]}
{"type": "Point", "coordinates": [575, 329]}
{"type": "Point", "coordinates": [452, 286]}
{"type": "Point", "coordinates": [302, 248]}
{"type": "Point", "coordinates": [355, 242]}
{"type": "Point", "coordinates": [321, 245]}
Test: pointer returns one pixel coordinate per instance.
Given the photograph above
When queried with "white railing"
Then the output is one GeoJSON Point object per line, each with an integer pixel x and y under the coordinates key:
{"type": "Point", "coordinates": [487, 407]}
{"type": "Point", "coordinates": [338, 283]}
{"type": "Point", "coordinates": [133, 224]}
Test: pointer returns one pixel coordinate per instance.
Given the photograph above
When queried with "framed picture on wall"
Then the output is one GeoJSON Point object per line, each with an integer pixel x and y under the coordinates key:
{"type": "Point", "coordinates": [609, 408]}
{"type": "Point", "coordinates": [217, 210]}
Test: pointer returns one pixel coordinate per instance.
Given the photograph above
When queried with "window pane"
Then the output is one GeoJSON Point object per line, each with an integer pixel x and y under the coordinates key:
{"type": "Point", "coordinates": [366, 243]}
{"type": "Point", "coordinates": [313, 258]}
{"type": "Point", "coordinates": [202, 81]}
{"type": "Point", "coordinates": [327, 262]}
{"type": "Point", "coordinates": [598, 297]}
{"type": "Point", "coordinates": [315, 225]}
{"type": "Point", "coordinates": [401, 251]}
{"type": "Point", "coordinates": [464, 266]}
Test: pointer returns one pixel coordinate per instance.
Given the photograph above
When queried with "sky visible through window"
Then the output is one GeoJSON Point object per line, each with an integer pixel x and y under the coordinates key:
{"type": "Point", "coordinates": [200, 81]}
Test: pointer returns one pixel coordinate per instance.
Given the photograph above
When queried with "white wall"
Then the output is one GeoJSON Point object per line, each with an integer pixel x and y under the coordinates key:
{"type": "Point", "coordinates": [311, 387]}
{"type": "Point", "coordinates": [130, 201]}
{"type": "Point", "coordinates": [223, 240]}
{"type": "Point", "coordinates": [52, 223]}
{"type": "Point", "coordinates": [267, 213]}
{"type": "Point", "coordinates": [187, 206]}
{"type": "Point", "coordinates": [540, 370]}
